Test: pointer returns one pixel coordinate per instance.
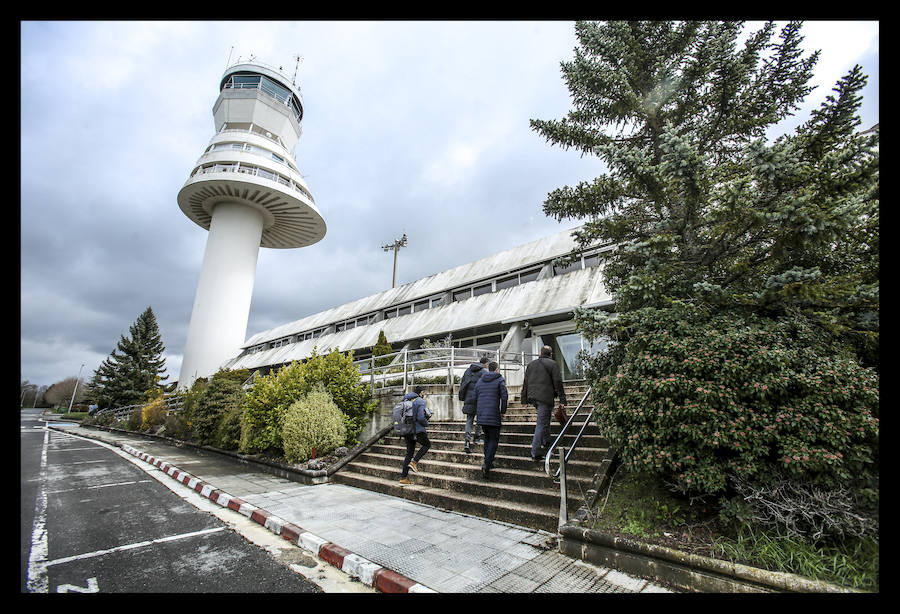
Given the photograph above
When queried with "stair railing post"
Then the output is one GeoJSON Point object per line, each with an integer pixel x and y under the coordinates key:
{"type": "Point", "coordinates": [563, 495]}
{"type": "Point", "coordinates": [372, 373]}
{"type": "Point", "coordinates": [405, 354]}
{"type": "Point", "coordinates": [450, 370]}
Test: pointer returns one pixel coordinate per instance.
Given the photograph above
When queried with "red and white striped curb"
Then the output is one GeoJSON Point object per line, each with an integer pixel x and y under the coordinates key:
{"type": "Point", "coordinates": [369, 573]}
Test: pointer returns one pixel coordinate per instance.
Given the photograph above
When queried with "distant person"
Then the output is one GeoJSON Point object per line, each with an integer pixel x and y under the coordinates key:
{"type": "Point", "coordinates": [543, 382]}
{"type": "Point", "coordinates": [421, 414]}
{"type": "Point", "coordinates": [491, 397]}
{"type": "Point", "coordinates": [467, 396]}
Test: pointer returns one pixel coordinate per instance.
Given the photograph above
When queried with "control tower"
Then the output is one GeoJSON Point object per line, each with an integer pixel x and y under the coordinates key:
{"type": "Point", "coordinates": [247, 191]}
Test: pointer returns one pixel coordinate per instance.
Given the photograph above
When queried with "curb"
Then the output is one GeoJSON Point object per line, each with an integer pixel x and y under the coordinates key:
{"type": "Point", "coordinates": [380, 578]}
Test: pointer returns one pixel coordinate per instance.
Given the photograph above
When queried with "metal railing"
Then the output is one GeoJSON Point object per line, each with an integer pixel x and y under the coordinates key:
{"type": "Point", "coordinates": [248, 169]}
{"type": "Point", "coordinates": [436, 365]}
{"type": "Point", "coordinates": [173, 404]}
{"type": "Point", "coordinates": [562, 433]}
{"type": "Point", "coordinates": [564, 455]}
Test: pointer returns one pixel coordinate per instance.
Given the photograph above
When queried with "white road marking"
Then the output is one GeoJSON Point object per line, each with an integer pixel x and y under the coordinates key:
{"type": "Point", "coordinates": [37, 558]}
{"type": "Point", "coordinates": [55, 492]}
{"type": "Point", "coordinates": [160, 540]}
{"type": "Point", "coordinates": [92, 587]}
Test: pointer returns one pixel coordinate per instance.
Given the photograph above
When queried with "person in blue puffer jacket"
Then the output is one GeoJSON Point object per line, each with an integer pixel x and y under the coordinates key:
{"type": "Point", "coordinates": [421, 415]}
{"type": "Point", "coordinates": [491, 398]}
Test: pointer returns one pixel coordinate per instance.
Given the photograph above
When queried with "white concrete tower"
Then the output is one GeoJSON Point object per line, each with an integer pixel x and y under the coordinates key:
{"type": "Point", "coordinates": [247, 191]}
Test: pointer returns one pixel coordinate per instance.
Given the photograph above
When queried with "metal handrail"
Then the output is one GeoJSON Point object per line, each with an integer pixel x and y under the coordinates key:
{"type": "Point", "coordinates": [437, 360]}
{"type": "Point", "coordinates": [562, 434]}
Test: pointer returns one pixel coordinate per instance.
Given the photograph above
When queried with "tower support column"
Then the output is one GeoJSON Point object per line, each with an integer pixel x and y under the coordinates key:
{"type": "Point", "coordinates": [221, 310]}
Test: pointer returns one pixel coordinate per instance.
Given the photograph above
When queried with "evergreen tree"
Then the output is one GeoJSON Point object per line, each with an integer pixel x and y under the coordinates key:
{"type": "Point", "coordinates": [701, 207]}
{"type": "Point", "coordinates": [745, 272]}
{"type": "Point", "coordinates": [381, 348]}
{"type": "Point", "coordinates": [135, 367]}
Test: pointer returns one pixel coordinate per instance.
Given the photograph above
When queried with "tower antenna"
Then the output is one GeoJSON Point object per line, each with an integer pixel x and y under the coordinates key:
{"type": "Point", "coordinates": [299, 59]}
{"type": "Point", "coordinates": [395, 246]}
{"type": "Point", "coordinates": [227, 64]}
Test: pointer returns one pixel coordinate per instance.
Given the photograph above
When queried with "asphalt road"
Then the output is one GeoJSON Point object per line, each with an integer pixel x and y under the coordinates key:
{"type": "Point", "coordinates": [92, 521]}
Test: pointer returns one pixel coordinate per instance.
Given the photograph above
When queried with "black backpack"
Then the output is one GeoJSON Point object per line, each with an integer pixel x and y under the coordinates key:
{"type": "Point", "coordinates": [404, 421]}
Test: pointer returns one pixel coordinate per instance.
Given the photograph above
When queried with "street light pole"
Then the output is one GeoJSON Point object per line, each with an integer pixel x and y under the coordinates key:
{"type": "Point", "coordinates": [75, 389]}
{"type": "Point", "coordinates": [396, 245]}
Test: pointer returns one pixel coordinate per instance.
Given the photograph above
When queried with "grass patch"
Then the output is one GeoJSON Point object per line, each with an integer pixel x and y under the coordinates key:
{"type": "Point", "coordinates": [641, 506]}
{"type": "Point", "coordinates": [851, 563]}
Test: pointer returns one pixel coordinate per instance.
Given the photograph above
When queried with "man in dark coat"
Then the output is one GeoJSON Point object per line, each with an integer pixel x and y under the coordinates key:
{"type": "Point", "coordinates": [543, 382]}
{"type": "Point", "coordinates": [467, 396]}
{"type": "Point", "coordinates": [491, 397]}
{"type": "Point", "coordinates": [421, 414]}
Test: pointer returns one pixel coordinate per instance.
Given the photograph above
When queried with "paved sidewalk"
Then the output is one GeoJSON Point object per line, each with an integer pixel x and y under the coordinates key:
{"type": "Point", "coordinates": [387, 542]}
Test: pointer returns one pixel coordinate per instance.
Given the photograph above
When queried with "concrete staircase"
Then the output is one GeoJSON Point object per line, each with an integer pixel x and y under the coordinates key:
{"type": "Point", "coordinates": [519, 491]}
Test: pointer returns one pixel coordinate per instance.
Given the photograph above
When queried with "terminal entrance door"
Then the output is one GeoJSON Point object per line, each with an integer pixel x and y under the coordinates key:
{"type": "Point", "coordinates": [566, 346]}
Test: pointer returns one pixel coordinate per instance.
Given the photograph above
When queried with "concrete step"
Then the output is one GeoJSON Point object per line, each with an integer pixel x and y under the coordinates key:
{"type": "Point", "coordinates": [508, 469]}
{"type": "Point", "coordinates": [432, 475]}
{"type": "Point", "coordinates": [523, 514]}
{"type": "Point", "coordinates": [520, 436]}
{"type": "Point", "coordinates": [519, 490]}
{"type": "Point", "coordinates": [520, 451]}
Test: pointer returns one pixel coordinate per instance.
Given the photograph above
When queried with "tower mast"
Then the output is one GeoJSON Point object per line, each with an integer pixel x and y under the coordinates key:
{"type": "Point", "coordinates": [247, 191]}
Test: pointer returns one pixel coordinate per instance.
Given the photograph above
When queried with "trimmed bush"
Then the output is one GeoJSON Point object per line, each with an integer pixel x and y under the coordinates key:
{"type": "Point", "coordinates": [702, 401]}
{"type": "Point", "coordinates": [223, 393]}
{"type": "Point", "coordinates": [313, 422]}
{"type": "Point", "coordinates": [271, 395]}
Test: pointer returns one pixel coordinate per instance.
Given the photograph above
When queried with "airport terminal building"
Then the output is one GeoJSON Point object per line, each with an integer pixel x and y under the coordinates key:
{"type": "Point", "coordinates": [512, 302]}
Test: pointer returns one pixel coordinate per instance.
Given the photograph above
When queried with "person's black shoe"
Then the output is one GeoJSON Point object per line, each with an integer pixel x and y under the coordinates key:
{"type": "Point", "coordinates": [537, 459]}
{"type": "Point", "coordinates": [479, 441]}
{"type": "Point", "coordinates": [485, 472]}
{"type": "Point", "coordinates": [468, 449]}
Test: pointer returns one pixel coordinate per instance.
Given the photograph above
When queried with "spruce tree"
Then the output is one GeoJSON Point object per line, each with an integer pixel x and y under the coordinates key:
{"type": "Point", "coordinates": [702, 208]}
{"type": "Point", "coordinates": [744, 271]}
{"type": "Point", "coordinates": [135, 367]}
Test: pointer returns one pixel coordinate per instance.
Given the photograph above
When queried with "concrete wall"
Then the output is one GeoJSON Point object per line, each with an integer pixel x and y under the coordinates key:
{"type": "Point", "coordinates": [441, 400]}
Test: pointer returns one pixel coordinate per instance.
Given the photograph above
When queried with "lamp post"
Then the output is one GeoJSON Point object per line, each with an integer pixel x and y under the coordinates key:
{"type": "Point", "coordinates": [396, 245]}
{"type": "Point", "coordinates": [75, 389]}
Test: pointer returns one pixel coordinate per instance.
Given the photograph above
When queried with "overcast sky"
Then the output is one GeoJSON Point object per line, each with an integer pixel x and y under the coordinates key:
{"type": "Point", "coordinates": [415, 127]}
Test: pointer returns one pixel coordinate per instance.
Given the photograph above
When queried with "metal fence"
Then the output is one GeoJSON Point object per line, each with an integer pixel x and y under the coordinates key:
{"type": "Point", "coordinates": [173, 404]}
{"type": "Point", "coordinates": [436, 365]}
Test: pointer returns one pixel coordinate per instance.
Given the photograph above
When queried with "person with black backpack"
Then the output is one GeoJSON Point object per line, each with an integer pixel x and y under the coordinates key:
{"type": "Point", "coordinates": [543, 382]}
{"type": "Point", "coordinates": [419, 433]}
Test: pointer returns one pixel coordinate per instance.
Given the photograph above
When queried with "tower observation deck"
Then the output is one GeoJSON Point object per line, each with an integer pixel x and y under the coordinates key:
{"type": "Point", "coordinates": [247, 191]}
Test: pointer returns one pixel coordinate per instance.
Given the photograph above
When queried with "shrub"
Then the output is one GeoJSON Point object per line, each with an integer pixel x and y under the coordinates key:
{"type": "Point", "coordinates": [802, 509]}
{"type": "Point", "coordinates": [176, 426]}
{"type": "Point", "coordinates": [704, 400]}
{"type": "Point", "coordinates": [189, 399]}
{"type": "Point", "coordinates": [104, 419]}
{"type": "Point", "coordinates": [154, 413]}
{"type": "Point", "coordinates": [264, 408]}
{"type": "Point", "coordinates": [134, 420]}
{"type": "Point", "coordinates": [228, 436]}
{"type": "Point", "coordinates": [336, 372]}
{"type": "Point", "coordinates": [313, 422]}
{"type": "Point", "coordinates": [224, 392]}
{"type": "Point", "coordinates": [271, 395]}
